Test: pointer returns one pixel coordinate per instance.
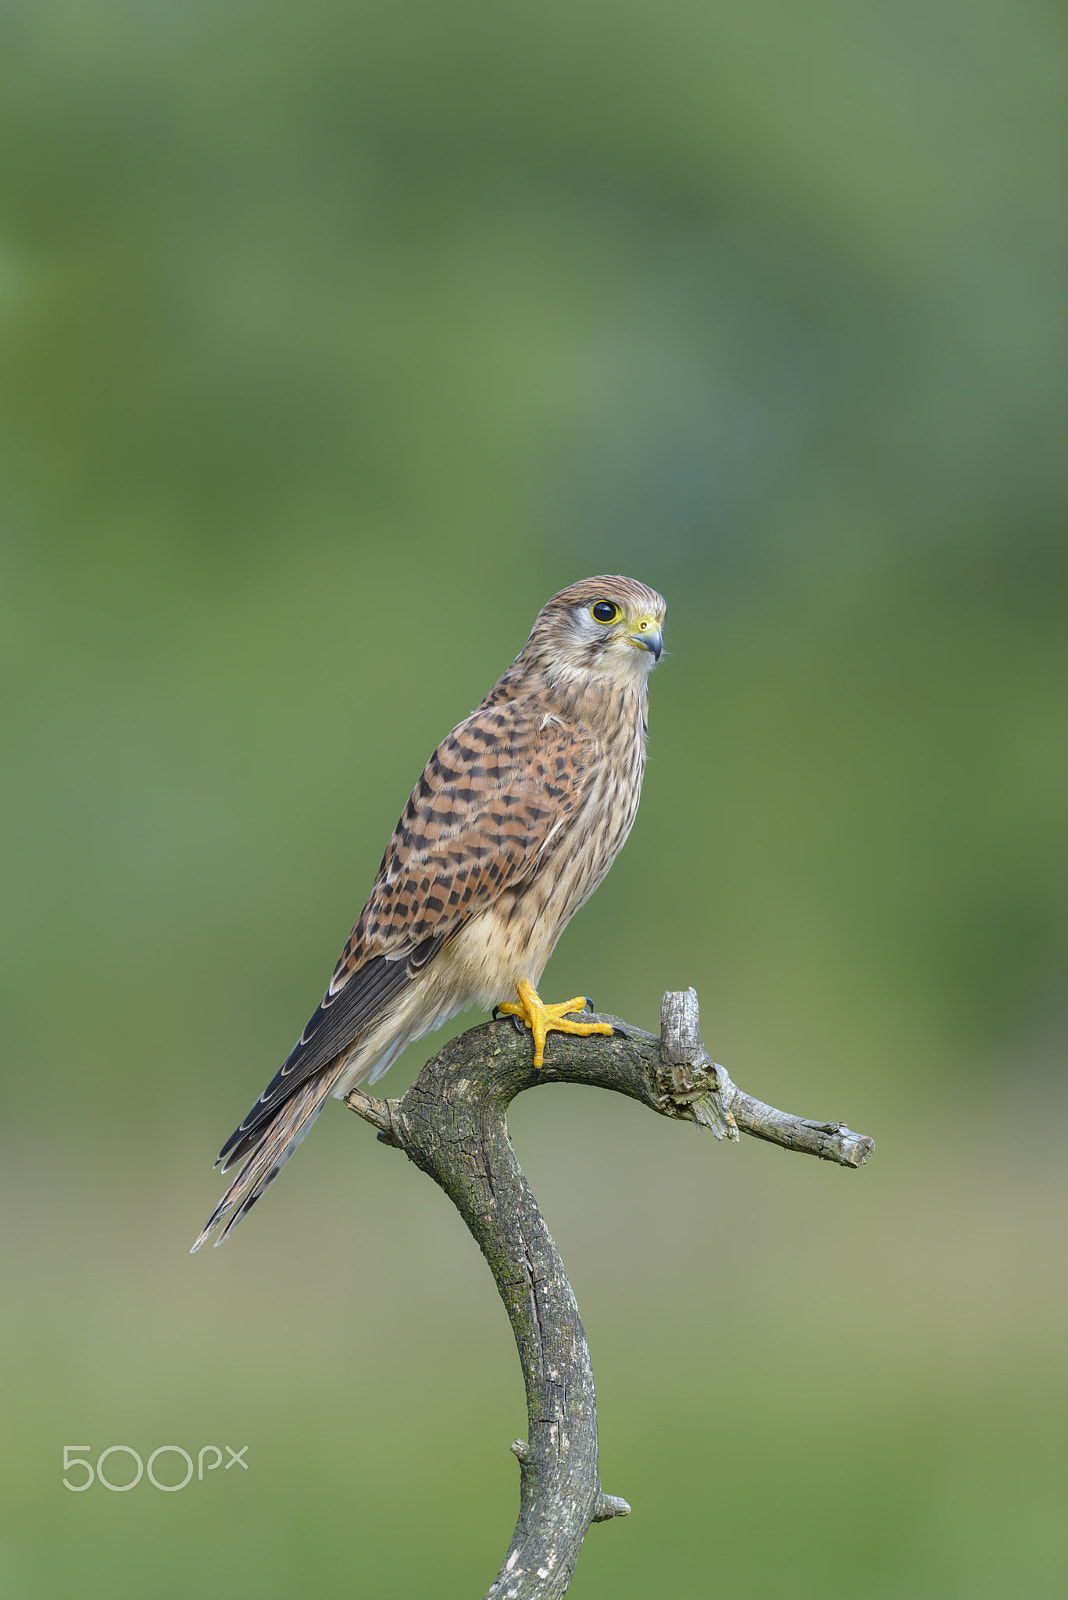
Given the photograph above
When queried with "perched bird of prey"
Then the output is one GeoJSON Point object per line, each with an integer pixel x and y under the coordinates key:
{"type": "Point", "coordinates": [518, 816]}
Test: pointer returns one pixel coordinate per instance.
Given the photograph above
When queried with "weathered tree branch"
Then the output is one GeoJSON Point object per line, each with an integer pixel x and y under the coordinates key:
{"type": "Point", "coordinates": [452, 1123]}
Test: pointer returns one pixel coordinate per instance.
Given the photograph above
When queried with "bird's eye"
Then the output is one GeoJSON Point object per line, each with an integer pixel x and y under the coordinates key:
{"type": "Point", "coordinates": [605, 611]}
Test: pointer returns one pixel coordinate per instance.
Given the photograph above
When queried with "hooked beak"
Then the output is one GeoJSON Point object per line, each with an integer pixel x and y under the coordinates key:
{"type": "Point", "coordinates": [647, 636]}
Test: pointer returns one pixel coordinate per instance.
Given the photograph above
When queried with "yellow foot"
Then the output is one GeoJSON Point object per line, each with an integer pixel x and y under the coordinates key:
{"type": "Point", "coordinates": [542, 1019]}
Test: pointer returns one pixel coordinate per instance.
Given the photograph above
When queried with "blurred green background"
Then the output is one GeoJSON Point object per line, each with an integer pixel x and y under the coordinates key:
{"type": "Point", "coordinates": [333, 340]}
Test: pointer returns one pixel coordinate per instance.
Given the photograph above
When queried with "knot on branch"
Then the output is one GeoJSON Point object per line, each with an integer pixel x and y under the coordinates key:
{"type": "Point", "coordinates": [698, 1087]}
{"type": "Point", "coordinates": [610, 1505]}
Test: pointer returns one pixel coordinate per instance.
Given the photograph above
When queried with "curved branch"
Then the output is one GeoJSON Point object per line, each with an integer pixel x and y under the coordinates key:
{"type": "Point", "coordinates": [452, 1123]}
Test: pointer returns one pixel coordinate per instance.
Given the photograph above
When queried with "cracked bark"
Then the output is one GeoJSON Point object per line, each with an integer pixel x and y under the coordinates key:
{"type": "Point", "coordinates": [452, 1123]}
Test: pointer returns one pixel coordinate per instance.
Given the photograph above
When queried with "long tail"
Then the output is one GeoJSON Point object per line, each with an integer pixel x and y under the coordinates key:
{"type": "Point", "coordinates": [272, 1147]}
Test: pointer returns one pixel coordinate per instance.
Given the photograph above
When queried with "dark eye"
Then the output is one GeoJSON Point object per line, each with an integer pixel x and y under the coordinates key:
{"type": "Point", "coordinates": [605, 611]}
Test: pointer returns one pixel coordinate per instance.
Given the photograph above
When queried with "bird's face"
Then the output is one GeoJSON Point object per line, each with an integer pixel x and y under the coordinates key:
{"type": "Point", "coordinates": [607, 627]}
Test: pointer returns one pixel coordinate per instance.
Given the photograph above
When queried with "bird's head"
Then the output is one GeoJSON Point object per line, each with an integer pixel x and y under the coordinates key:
{"type": "Point", "coordinates": [606, 627]}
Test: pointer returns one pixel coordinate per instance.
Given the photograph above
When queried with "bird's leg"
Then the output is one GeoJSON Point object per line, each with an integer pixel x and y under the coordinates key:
{"type": "Point", "coordinates": [542, 1019]}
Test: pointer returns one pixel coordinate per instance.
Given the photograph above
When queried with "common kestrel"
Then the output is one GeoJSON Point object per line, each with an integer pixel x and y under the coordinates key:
{"type": "Point", "coordinates": [518, 816]}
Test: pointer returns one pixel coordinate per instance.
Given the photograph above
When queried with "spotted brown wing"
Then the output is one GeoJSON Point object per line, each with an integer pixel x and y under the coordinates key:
{"type": "Point", "coordinates": [491, 797]}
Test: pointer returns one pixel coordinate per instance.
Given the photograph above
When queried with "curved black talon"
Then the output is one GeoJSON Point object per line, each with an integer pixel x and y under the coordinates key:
{"type": "Point", "coordinates": [519, 1023]}
{"type": "Point", "coordinates": [590, 1005]}
{"type": "Point", "coordinates": [494, 1013]}
{"type": "Point", "coordinates": [618, 1033]}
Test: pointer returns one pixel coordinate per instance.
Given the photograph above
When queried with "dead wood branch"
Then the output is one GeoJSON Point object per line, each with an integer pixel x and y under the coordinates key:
{"type": "Point", "coordinates": [453, 1124]}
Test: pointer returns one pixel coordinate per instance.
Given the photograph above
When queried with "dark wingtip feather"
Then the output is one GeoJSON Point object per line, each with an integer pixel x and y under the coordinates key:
{"type": "Point", "coordinates": [335, 1023]}
{"type": "Point", "coordinates": [267, 1150]}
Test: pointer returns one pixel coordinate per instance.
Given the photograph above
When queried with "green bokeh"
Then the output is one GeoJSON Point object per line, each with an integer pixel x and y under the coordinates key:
{"type": "Point", "coordinates": [334, 339]}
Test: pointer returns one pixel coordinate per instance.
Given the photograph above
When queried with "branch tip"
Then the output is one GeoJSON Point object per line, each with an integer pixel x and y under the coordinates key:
{"type": "Point", "coordinates": [680, 1027]}
{"type": "Point", "coordinates": [521, 1450]}
{"type": "Point", "coordinates": [372, 1110]}
{"type": "Point", "coordinates": [610, 1505]}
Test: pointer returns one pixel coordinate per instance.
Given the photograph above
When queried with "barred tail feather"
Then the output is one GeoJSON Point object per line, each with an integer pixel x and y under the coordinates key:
{"type": "Point", "coordinates": [273, 1147]}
